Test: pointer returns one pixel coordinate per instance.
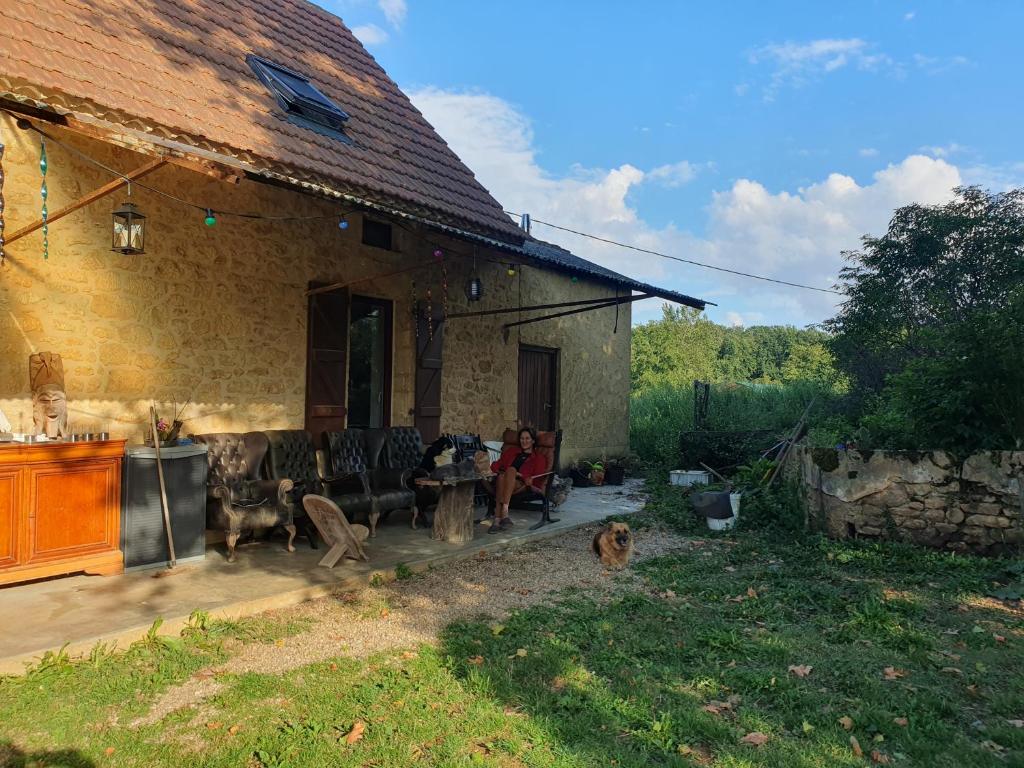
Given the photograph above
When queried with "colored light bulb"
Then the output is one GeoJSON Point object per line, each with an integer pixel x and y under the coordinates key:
{"type": "Point", "coordinates": [210, 219]}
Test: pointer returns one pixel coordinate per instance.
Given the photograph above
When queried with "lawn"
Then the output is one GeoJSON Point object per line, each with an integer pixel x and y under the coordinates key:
{"type": "Point", "coordinates": [820, 653]}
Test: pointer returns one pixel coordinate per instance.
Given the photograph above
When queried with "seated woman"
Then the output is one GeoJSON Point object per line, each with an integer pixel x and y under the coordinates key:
{"type": "Point", "coordinates": [516, 469]}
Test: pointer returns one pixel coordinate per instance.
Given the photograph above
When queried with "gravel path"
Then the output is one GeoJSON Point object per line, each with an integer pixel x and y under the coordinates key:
{"type": "Point", "coordinates": [407, 613]}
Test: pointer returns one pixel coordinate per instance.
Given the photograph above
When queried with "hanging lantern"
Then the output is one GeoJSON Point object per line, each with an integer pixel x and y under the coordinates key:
{"type": "Point", "coordinates": [129, 230]}
{"type": "Point", "coordinates": [474, 289]}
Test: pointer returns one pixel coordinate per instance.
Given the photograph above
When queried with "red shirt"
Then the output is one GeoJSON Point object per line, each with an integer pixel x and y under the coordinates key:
{"type": "Point", "coordinates": [535, 465]}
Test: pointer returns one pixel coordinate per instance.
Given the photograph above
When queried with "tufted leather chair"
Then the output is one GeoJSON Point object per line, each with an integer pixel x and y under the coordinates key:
{"type": "Point", "coordinates": [356, 453]}
{"type": "Point", "coordinates": [292, 455]}
{"type": "Point", "coordinates": [238, 499]}
{"type": "Point", "coordinates": [404, 448]}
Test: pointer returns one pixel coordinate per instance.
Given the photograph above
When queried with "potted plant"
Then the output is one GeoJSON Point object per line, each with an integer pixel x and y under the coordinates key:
{"type": "Point", "coordinates": [596, 472]}
{"type": "Point", "coordinates": [615, 471]}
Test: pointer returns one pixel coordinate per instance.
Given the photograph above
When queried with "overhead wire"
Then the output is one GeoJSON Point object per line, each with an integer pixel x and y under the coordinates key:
{"type": "Point", "coordinates": [637, 248]}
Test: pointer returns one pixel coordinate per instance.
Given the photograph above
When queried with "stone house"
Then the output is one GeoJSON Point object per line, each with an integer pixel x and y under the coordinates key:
{"type": "Point", "coordinates": [271, 155]}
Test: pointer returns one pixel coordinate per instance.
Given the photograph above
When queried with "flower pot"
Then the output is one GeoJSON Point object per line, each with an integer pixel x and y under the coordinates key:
{"type": "Point", "coordinates": [597, 476]}
{"type": "Point", "coordinates": [614, 475]}
{"type": "Point", "coordinates": [720, 525]}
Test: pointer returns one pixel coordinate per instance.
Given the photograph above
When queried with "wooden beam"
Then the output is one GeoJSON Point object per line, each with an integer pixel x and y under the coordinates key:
{"type": "Point", "coordinates": [91, 197]}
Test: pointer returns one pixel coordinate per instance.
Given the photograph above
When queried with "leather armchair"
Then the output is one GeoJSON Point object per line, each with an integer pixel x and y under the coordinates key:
{"type": "Point", "coordinates": [292, 454]}
{"type": "Point", "coordinates": [403, 450]}
{"type": "Point", "coordinates": [355, 454]}
{"type": "Point", "coordinates": [238, 499]}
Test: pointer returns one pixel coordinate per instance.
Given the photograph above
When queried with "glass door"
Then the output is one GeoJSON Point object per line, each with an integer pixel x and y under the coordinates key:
{"type": "Point", "coordinates": [369, 363]}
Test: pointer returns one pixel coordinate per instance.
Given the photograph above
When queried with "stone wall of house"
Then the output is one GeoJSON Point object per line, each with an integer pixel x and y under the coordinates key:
{"type": "Point", "coordinates": [926, 498]}
{"type": "Point", "coordinates": [480, 382]}
{"type": "Point", "coordinates": [217, 315]}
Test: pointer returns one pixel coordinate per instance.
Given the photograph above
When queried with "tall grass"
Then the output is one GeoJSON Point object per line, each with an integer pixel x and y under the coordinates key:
{"type": "Point", "coordinates": [659, 414]}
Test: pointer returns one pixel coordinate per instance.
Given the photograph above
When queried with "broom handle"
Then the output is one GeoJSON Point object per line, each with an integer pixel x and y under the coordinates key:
{"type": "Point", "coordinates": [163, 487]}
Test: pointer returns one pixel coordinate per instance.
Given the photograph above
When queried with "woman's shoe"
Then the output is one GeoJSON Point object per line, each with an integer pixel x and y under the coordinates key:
{"type": "Point", "coordinates": [506, 524]}
{"type": "Point", "coordinates": [496, 525]}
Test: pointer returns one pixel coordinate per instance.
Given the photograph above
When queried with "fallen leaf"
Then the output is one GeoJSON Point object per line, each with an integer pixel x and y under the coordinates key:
{"type": "Point", "coordinates": [751, 592]}
{"type": "Point", "coordinates": [879, 738]}
{"type": "Point", "coordinates": [711, 708]}
{"type": "Point", "coordinates": [108, 751]}
{"type": "Point", "coordinates": [855, 746]}
{"type": "Point", "coordinates": [902, 722]}
{"type": "Point", "coordinates": [558, 683]}
{"type": "Point", "coordinates": [993, 747]}
{"type": "Point", "coordinates": [356, 733]}
{"type": "Point", "coordinates": [952, 671]}
{"type": "Point", "coordinates": [976, 630]}
{"type": "Point", "coordinates": [497, 629]}
{"type": "Point", "coordinates": [279, 643]}
{"type": "Point", "coordinates": [384, 613]}
{"type": "Point", "coordinates": [731, 664]}
{"type": "Point", "coordinates": [807, 727]}
{"type": "Point", "coordinates": [846, 722]}
{"type": "Point", "coordinates": [891, 673]}
{"type": "Point", "coordinates": [234, 729]}
{"type": "Point", "coordinates": [214, 725]}
{"type": "Point", "coordinates": [879, 758]}
{"type": "Point", "coordinates": [754, 737]}
{"type": "Point", "coordinates": [801, 670]}
{"type": "Point", "coordinates": [334, 667]}
{"type": "Point", "coordinates": [668, 594]}
{"type": "Point", "coordinates": [520, 653]}
{"type": "Point", "coordinates": [478, 660]}
{"type": "Point", "coordinates": [409, 654]}
{"type": "Point", "coordinates": [998, 638]}
{"type": "Point", "coordinates": [1016, 723]}
{"type": "Point", "coordinates": [730, 568]}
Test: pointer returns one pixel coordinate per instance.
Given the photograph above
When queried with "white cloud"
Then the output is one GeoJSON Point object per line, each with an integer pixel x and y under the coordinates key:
{"type": "Point", "coordinates": [944, 151]}
{"type": "Point", "coordinates": [794, 235]}
{"type": "Point", "coordinates": [935, 65]}
{"type": "Point", "coordinates": [741, 89]}
{"type": "Point", "coordinates": [370, 34]}
{"type": "Point", "coordinates": [673, 175]}
{"type": "Point", "coordinates": [909, 16]}
{"type": "Point", "coordinates": [868, 152]}
{"type": "Point", "coordinates": [796, 64]}
{"type": "Point", "coordinates": [394, 11]}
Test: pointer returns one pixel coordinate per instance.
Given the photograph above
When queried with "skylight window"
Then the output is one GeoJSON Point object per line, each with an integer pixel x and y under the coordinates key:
{"type": "Point", "coordinates": [304, 104]}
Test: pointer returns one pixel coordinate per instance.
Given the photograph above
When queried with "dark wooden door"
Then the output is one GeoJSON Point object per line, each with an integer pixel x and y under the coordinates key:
{"type": "Point", "coordinates": [429, 354]}
{"type": "Point", "coordinates": [538, 387]}
{"type": "Point", "coordinates": [325, 362]}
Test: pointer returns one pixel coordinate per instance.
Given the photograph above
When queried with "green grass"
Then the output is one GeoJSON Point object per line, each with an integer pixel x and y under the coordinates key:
{"type": "Point", "coordinates": [659, 414]}
{"type": "Point", "coordinates": [627, 683]}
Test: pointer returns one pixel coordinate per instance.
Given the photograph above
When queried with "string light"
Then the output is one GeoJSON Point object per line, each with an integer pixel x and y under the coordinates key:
{"type": "Point", "coordinates": [210, 219]}
{"type": "Point", "coordinates": [44, 193]}
{"type": "Point", "coordinates": [343, 224]}
{"type": "Point", "coordinates": [511, 270]}
{"type": "Point", "coordinates": [3, 256]}
{"type": "Point", "coordinates": [438, 254]}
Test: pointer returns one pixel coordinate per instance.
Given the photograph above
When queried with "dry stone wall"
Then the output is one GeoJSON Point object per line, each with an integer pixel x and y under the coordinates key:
{"type": "Point", "coordinates": [218, 314]}
{"type": "Point", "coordinates": [926, 498]}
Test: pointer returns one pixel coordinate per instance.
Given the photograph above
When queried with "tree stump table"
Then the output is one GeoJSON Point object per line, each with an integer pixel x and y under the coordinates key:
{"type": "Point", "coordinates": [453, 517]}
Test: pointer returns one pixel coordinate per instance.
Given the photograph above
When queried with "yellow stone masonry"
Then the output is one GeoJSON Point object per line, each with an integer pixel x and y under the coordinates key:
{"type": "Point", "coordinates": [217, 315]}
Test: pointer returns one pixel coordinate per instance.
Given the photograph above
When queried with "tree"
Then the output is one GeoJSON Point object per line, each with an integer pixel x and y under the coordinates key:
{"type": "Point", "coordinates": [930, 333]}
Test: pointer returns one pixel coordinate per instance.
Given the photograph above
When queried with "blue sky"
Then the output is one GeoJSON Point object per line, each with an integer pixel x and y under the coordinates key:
{"type": "Point", "coordinates": [765, 137]}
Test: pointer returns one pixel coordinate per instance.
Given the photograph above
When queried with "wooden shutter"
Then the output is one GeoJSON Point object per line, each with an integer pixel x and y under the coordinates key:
{"type": "Point", "coordinates": [326, 375]}
{"type": "Point", "coordinates": [429, 355]}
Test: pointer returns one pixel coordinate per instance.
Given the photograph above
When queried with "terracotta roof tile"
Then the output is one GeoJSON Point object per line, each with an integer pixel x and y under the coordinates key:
{"type": "Point", "coordinates": [177, 69]}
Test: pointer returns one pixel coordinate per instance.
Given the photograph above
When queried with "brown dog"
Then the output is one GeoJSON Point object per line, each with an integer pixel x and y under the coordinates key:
{"type": "Point", "coordinates": [614, 545]}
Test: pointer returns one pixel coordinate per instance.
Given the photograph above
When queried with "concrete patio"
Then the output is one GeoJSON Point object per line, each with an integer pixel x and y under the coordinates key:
{"type": "Point", "coordinates": [80, 611]}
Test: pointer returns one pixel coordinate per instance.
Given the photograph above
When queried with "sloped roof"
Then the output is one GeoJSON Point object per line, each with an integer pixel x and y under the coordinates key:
{"type": "Point", "coordinates": [175, 71]}
{"type": "Point", "coordinates": [566, 261]}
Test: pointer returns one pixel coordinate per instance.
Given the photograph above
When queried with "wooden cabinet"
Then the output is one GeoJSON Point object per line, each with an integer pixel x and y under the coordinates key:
{"type": "Point", "coordinates": [60, 509]}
